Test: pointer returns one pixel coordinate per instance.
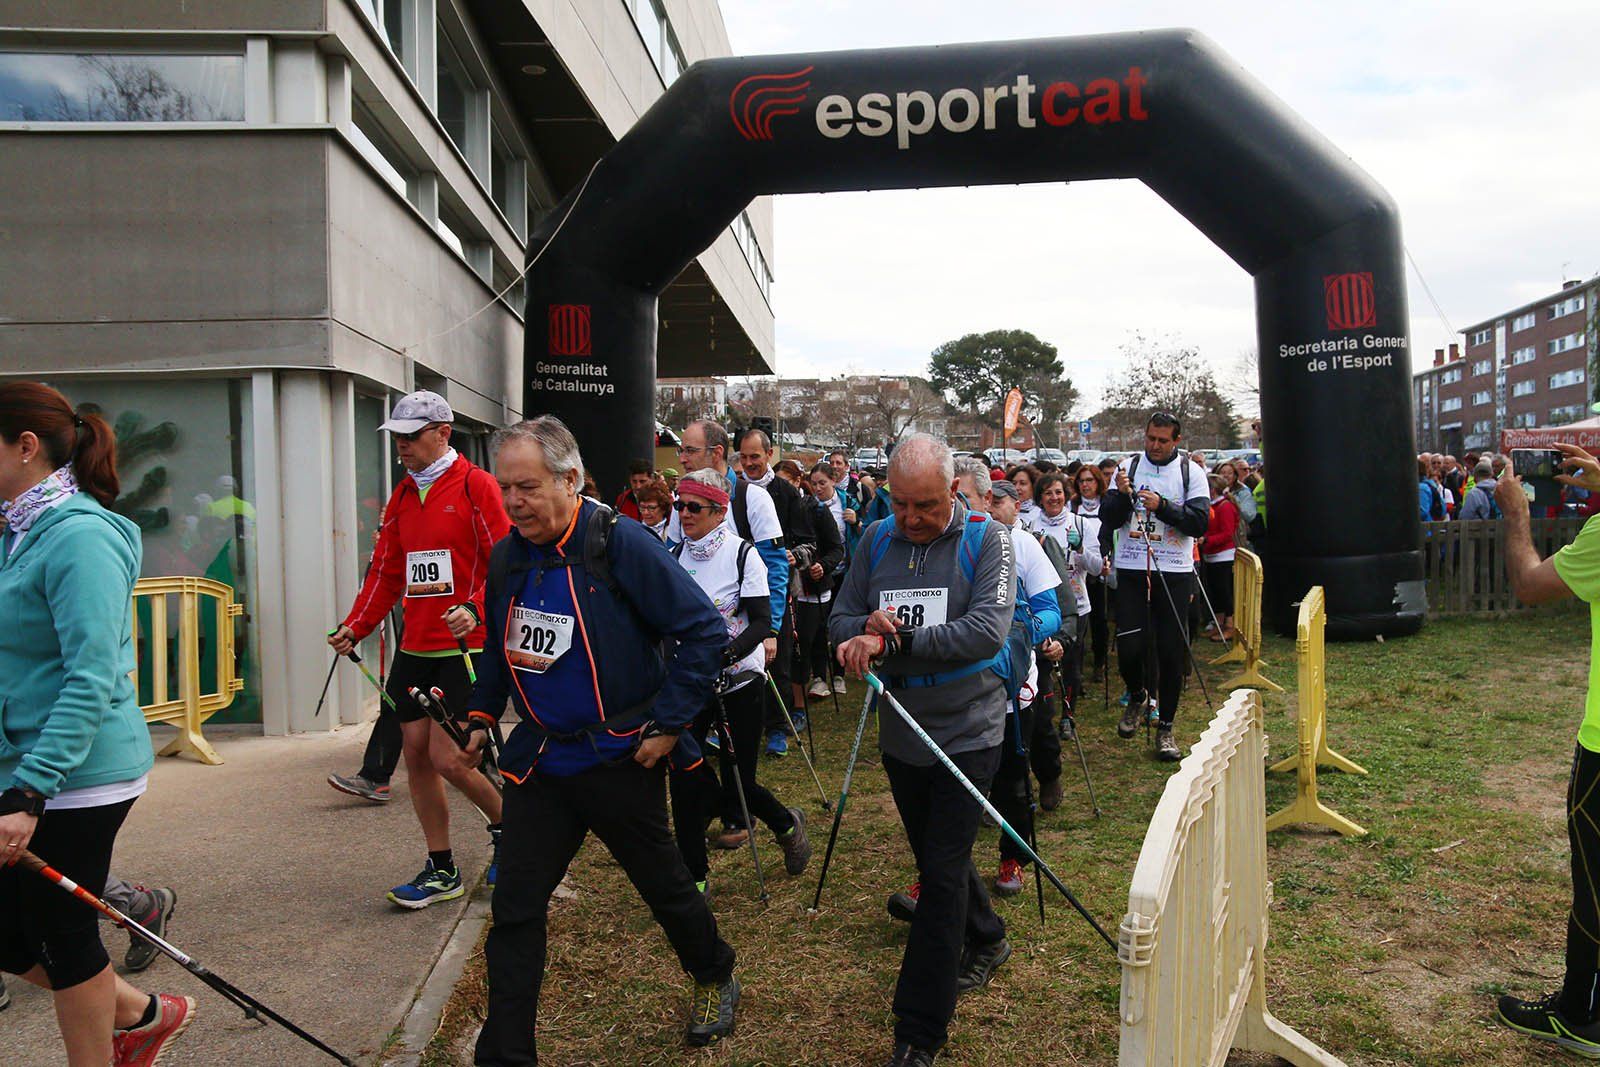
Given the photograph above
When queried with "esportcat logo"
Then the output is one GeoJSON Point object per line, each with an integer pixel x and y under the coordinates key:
{"type": "Point", "coordinates": [760, 98]}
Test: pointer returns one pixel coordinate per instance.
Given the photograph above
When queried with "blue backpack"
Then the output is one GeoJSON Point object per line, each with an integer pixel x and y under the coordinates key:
{"type": "Point", "coordinates": [1012, 662]}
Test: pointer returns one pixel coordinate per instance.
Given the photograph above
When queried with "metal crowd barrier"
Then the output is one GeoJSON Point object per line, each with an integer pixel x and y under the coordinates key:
{"type": "Point", "coordinates": [1313, 727]}
{"type": "Point", "coordinates": [1193, 944]}
{"type": "Point", "coordinates": [192, 705]}
{"type": "Point", "coordinates": [1247, 625]}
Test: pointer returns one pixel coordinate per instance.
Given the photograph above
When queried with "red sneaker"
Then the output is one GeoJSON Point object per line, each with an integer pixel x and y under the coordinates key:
{"type": "Point", "coordinates": [142, 1046]}
{"type": "Point", "coordinates": [1008, 883]}
{"type": "Point", "coordinates": [903, 906]}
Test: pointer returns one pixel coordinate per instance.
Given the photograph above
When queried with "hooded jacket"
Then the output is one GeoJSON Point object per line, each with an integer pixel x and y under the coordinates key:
{"type": "Point", "coordinates": [69, 717]}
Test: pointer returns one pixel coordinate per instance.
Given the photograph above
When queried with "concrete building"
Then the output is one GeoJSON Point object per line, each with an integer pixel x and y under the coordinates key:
{"type": "Point", "coordinates": [243, 229]}
{"type": "Point", "coordinates": [1526, 367]}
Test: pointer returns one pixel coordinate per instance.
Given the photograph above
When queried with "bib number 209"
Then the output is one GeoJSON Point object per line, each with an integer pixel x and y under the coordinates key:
{"type": "Point", "coordinates": [429, 573]}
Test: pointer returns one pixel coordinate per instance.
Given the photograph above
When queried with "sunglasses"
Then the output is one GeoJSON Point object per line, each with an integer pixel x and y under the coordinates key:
{"type": "Point", "coordinates": [413, 435]}
{"type": "Point", "coordinates": [692, 508]}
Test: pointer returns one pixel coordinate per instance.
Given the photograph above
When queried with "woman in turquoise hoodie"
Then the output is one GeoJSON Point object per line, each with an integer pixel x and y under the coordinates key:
{"type": "Point", "coordinates": [74, 750]}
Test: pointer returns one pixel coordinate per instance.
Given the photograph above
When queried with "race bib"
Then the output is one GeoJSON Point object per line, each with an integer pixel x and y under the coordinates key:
{"type": "Point", "coordinates": [429, 573]}
{"type": "Point", "coordinates": [536, 639]}
{"type": "Point", "coordinates": [916, 607]}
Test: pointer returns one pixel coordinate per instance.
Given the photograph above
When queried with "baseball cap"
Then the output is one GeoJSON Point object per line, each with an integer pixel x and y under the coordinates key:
{"type": "Point", "coordinates": [1004, 488]}
{"type": "Point", "coordinates": [415, 410]}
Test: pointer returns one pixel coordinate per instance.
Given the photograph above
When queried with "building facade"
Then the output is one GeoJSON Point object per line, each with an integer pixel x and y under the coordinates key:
{"type": "Point", "coordinates": [1527, 367]}
{"type": "Point", "coordinates": [241, 230]}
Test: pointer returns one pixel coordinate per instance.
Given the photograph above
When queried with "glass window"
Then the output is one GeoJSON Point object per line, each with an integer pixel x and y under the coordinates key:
{"type": "Point", "coordinates": [1483, 337]}
{"type": "Point", "coordinates": [1481, 397]}
{"type": "Point", "coordinates": [1566, 307]}
{"type": "Point", "coordinates": [389, 17]}
{"type": "Point", "coordinates": [1483, 366]}
{"type": "Point", "coordinates": [1524, 388]}
{"type": "Point", "coordinates": [502, 171]}
{"type": "Point", "coordinates": [373, 143]}
{"type": "Point", "coordinates": [1451, 404]}
{"type": "Point", "coordinates": [1565, 344]}
{"type": "Point", "coordinates": [120, 87]}
{"type": "Point", "coordinates": [1522, 355]}
{"type": "Point", "coordinates": [451, 237]}
{"type": "Point", "coordinates": [455, 89]}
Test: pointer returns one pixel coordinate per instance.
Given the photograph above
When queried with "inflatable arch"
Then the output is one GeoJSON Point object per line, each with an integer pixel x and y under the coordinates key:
{"type": "Point", "coordinates": [1318, 235]}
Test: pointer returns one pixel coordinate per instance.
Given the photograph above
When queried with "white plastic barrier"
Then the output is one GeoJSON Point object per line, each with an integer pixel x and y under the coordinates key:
{"type": "Point", "coordinates": [1193, 944]}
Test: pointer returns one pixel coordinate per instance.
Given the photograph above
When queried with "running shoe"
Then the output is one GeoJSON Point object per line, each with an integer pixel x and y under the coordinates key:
{"type": "Point", "coordinates": [1167, 750]}
{"type": "Point", "coordinates": [711, 1011]}
{"type": "Point", "coordinates": [777, 744]}
{"type": "Point", "coordinates": [360, 786]}
{"type": "Point", "coordinates": [1133, 717]}
{"type": "Point", "coordinates": [800, 722]}
{"type": "Point", "coordinates": [142, 1046]}
{"type": "Point", "coordinates": [903, 904]}
{"type": "Point", "coordinates": [838, 685]}
{"type": "Point", "coordinates": [1008, 883]}
{"type": "Point", "coordinates": [429, 887]}
{"type": "Point", "coordinates": [730, 838]}
{"type": "Point", "coordinates": [910, 1056]}
{"type": "Point", "coordinates": [494, 859]}
{"type": "Point", "coordinates": [817, 688]}
{"type": "Point", "coordinates": [979, 964]}
{"type": "Point", "coordinates": [795, 844]}
{"type": "Point", "coordinates": [1544, 1020]}
{"type": "Point", "coordinates": [141, 953]}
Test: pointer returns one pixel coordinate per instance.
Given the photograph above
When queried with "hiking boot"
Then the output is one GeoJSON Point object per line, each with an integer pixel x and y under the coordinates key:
{"type": "Point", "coordinates": [910, 1056]}
{"type": "Point", "coordinates": [1050, 795]}
{"type": "Point", "coordinates": [817, 688]}
{"type": "Point", "coordinates": [141, 953]}
{"type": "Point", "coordinates": [360, 786]}
{"type": "Point", "coordinates": [142, 1046]}
{"type": "Point", "coordinates": [903, 905]}
{"type": "Point", "coordinates": [1133, 717]}
{"type": "Point", "coordinates": [493, 873]}
{"type": "Point", "coordinates": [1008, 883]}
{"type": "Point", "coordinates": [979, 964]}
{"type": "Point", "coordinates": [711, 1011]}
{"type": "Point", "coordinates": [429, 887]}
{"type": "Point", "coordinates": [730, 838]}
{"type": "Point", "coordinates": [1544, 1019]}
{"type": "Point", "coordinates": [777, 744]}
{"type": "Point", "coordinates": [1167, 750]}
{"type": "Point", "coordinates": [795, 844]}
{"type": "Point", "coordinates": [838, 685]}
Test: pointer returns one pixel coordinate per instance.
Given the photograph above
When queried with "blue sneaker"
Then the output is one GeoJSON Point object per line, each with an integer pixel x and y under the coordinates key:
{"type": "Point", "coordinates": [800, 722]}
{"type": "Point", "coordinates": [494, 859]}
{"type": "Point", "coordinates": [429, 887]}
{"type": "Point", "coordinates": [777, 744]}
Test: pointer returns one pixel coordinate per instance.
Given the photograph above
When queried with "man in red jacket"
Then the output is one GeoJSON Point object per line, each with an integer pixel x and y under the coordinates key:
{"type": "Point", "coordinates": [433, 554]}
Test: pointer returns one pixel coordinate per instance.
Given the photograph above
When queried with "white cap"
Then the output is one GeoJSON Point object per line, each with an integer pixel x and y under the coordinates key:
{"type": "Point", "coordinates": [415, 410]}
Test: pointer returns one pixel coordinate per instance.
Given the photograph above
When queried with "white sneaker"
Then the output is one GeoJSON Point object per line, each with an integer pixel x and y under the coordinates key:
{"type": "Point", "coordinates": [818, 687]}
{"type": "Point", "coordinates": [838, 684]}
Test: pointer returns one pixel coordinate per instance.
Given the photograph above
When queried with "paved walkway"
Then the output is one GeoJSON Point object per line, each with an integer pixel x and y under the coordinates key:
{"type": "Point", "coordinates": [280, 886]}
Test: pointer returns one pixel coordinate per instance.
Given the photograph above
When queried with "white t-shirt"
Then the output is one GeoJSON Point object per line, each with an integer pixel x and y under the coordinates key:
{"type": "Point", "coordinates": [1173, 551]}
{"type": "Point", "coordinates": [1035, 575]}
{"type": "Point", "coordinates": [718, 577]}
{"type": "Point", "coordinates": [760, 509]}
{"type": "Point", "coordinates": [1084, 561]}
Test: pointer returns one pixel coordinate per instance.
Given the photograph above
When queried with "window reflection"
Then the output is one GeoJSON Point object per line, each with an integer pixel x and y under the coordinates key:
{"type": "Point", "coordinates": [120, 87]}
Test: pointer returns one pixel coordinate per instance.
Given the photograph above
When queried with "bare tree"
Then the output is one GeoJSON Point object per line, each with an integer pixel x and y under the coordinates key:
{"type": "Point", "coordinates": [1241, 382]}
{"type": "Point", "coordinates": [1166, 375]}
{"type": "Point", "coordinates": [899, 402]}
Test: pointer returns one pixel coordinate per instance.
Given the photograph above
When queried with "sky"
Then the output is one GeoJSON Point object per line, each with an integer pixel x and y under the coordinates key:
{"type": "Point", "coordinates": [1478, 125]}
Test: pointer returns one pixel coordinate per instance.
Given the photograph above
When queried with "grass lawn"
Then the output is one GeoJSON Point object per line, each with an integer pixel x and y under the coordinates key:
{"type": "Point", "coordinates": [1386, 950]}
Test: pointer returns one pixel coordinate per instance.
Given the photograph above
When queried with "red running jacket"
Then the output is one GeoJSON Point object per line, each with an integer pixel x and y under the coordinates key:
{"type": "Point", "coordinates": [1223, 530]}
{"type": "Point", "coordinates": [433, 554]}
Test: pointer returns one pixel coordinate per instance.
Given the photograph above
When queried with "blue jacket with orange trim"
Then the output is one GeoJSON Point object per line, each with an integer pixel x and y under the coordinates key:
{"type": "Point", "coordinates": [617, 640]}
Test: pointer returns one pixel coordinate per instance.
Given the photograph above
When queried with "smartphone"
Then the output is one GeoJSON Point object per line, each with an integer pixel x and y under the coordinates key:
{"type": "Point", "coordinates": [1540, 463]}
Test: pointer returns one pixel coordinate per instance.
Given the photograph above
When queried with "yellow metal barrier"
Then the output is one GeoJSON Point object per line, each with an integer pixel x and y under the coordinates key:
{"type": "Point", "coordinates": [1313, 726]}
{"type": "Point", "coordinates": [1247, 625]}
{"type": "Point", "coordinates": [192, 706]}
{"type": "Point", "coordinates": [1193, 944]}
{"type": "Point", "coordinates": [1194, 941]}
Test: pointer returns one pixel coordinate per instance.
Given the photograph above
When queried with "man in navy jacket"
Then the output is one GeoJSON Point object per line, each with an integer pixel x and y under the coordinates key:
{"type": "Point", "coordinates": [575, 643]}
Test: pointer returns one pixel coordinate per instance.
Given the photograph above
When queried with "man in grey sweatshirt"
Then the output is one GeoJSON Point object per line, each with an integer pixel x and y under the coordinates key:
{"type": "Point", "coordinates": [934, 629]}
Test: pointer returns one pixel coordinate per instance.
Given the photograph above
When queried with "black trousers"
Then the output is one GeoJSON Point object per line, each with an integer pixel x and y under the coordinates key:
{"type": "Point", "coordinates": [1580, 999]}
{"type": "Point", "coordinates": [779, 668]}
{"type": "Point", "coordinates": [1010, 792]}
{"type": "Point", "coordinates": [546, 821]}
{"type": "Point", "coordinates": [811, 658]}
{"type": "Point", "coordinates": [39, 924]}
{"type": "Point", "coordinates": [953, 910]}
{"type": "Point", "coordinates": [1152, 638]}
{"type": "Point", "coordinates": [1098, 618]}
{"type": "Point", "coordinates": [698, 795]}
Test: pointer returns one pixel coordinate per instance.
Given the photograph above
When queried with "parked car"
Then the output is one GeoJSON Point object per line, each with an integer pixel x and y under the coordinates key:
{"type": "Point", "coordinates": [872, 461]}
{"type": "Point", "coordinates": [1054, 455]}
{"type": "Point", "coordinates": [1003, 457]}
{"type": "Point", "coordinates": [1084, 455]}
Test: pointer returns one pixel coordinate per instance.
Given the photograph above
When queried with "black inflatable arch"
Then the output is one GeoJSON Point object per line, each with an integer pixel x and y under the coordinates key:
{"type": "Point", "coordinates": [1319, 236]}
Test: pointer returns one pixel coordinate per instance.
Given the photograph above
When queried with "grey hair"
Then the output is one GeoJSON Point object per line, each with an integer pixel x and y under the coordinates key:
{"type": "Point", "coordinates": [974, 468]}
{"type": "Point", "coordinates": [556, 443]}
{"type": "Point", "coordinates": [922, 451]}
{"type": "Point", "coordinates": [706, 476]}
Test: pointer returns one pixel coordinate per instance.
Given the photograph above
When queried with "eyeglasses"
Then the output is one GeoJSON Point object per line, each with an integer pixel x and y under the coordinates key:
{"type": "Point", "coordinates": [691, 508]}
{"type": "Point", "coordinates": [685, 450]}
{"type": "Point", "coordinates": [412, 437]}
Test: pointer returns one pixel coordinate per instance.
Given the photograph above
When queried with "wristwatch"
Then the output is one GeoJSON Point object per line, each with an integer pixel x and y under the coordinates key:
{"type": "Point", "coordinates": [905, 634]}
{"type": "Point", "coordinates": [14, 800]}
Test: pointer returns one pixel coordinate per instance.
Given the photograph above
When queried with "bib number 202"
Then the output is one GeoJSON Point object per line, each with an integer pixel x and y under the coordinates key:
{"type": "Point", "coordinates": [537, 639]}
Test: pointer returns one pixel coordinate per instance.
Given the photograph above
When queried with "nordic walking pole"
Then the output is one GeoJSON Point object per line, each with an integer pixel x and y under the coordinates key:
{"type": "Point", "coordinates": [253, 1008]}
{"type": "Point", "coordinates": [383, 693]}
{"type": "Point", "coordinates": [905, 716]}
{"type": "Point", "coordinates": [325, 683]}
{"type": "Point", "coordinates": [844, 796]}
{"type": "Point", "coordinates": [1084, 763]}
{"type": "Point", "coordinates": [432, 705]}
{"type": "Point", "coordinates": [738, 782]}
{"type": "Point", "coordinates": [827, 805]}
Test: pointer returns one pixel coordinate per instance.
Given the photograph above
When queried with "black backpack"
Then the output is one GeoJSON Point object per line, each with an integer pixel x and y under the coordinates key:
{"type": "Point", "coordinates": [596, 561]}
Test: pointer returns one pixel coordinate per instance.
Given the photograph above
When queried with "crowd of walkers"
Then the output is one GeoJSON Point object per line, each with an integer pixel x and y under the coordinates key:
{"type": "Point", "coordinates": [1451, 489]}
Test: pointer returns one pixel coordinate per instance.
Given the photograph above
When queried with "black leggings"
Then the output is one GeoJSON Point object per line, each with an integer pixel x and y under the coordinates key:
{"type": "Point", "coordinates": [811, 653]}
{"type": "Point", "coordinates": [1580, 1000]}
{"type": "Point", "coordinates": [1010, 792]}
{"type": "Point", "coordinates": [42, 925]}
{"type": "Point", "coordinates": [697, 795]}
{"type": "Point", "coordinates": [1146, 615]}
{"type": "Point", "coordinates": [1097, 622]}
